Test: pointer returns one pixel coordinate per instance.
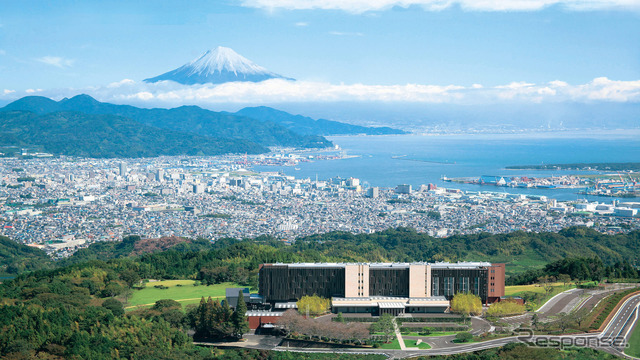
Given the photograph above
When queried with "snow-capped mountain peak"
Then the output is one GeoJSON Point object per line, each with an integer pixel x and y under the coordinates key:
{"type": "Point", "coordinates": [223, 58]}
{"type": "Point", "coordinates": [217, 66]}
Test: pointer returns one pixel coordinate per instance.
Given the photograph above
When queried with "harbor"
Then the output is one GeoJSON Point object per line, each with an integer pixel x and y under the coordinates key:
{"type": "Point", "coordinates": [610, 185]}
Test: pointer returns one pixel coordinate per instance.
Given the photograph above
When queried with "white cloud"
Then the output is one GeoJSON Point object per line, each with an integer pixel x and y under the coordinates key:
{"type": "Point", "coordinates": [340, 33]}
{"type": "Point", "coordinates": [171, 94]}
{"type": "Point", "coordinates": [361, 6]}
{"type": "Point", "coordinates": [7, 91]}
{"type": "Point", "coordinates": [56, 61]}
{"type": "Point", "coordinates": [301, 24]}
{"type": "Point", "coordinates": [121, 83]}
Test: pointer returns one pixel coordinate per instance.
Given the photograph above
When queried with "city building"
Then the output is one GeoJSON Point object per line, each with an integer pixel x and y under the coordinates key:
{"type": "Point", "coordinates": [379, 288]}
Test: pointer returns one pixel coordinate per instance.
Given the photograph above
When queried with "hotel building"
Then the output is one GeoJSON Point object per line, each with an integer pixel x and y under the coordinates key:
{"type": "Point", "coordinates": [379, 288]}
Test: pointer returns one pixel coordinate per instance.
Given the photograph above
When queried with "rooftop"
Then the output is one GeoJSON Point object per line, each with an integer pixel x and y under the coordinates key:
{"type": "Point", "coordinates": [437, 265]}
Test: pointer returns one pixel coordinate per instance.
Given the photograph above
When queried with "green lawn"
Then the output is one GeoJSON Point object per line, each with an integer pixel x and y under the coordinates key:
{"type": "Point", "coordinates": [395, 345]}
{"type": "Point", "coordinates": [634, 343]}
{"type": "Point", "coordinates": [517, 264]}
{"type": "Point", "coordinates": [182, 291]}
{"type": "Point", "coordinates": [518, 289]}
{"type": "Point", "coordinates": [412, 344]}
{"type": "Point", "coordinates": [435, 333]}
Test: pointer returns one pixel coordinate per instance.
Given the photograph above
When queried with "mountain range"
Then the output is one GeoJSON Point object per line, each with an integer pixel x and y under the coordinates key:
{"type": "Point", "coordinates": [308, 126]}
{"type": "Point", "coordinates": [100, 136]}
{"type": "Point", "coordinates": [217, 66]}
{"type": "Point", "coordinates": [96, 129]}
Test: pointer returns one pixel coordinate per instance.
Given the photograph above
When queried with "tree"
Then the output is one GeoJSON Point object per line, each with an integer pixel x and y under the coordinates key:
{"type": "Point", "coordinates": [130, 277]}
{"type": "Point", "coordinates": [535, 320]}
{"type": "Point", "coordinates": [290, 320]}
{"type": "Point", "coordinates": [386, 326]}
{"type": "Point", "coordinates": [579, 316]}
{"type": "Point", "coordinates": [239, 322]}
{"type": "Point", "coordinates": [114, 305]}
{"type": "Point", "coordinates": [427, 330]}
{"type": "Point", "coordinates": [566, 279]}
{"type": "Point", "coordinates": [164, 304]}
{"type": "Point", "coordinates": [464, 336]}
{"type": "Point", "coordinates": [340, 318]}
{"type": "Point", "coordinates": [466, 304]}
{"type": "Point", "coordinates": [505, 308]}
{"type": "Point", "coordinates": [313, 305]}
{"type": "Point", "coordinates": [563, 321]}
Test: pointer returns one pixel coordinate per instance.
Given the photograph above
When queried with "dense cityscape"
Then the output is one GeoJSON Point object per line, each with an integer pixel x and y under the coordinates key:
{"type": "Point", "coordinates": [320, 180]}
{"type": "Point", "coordinates": [63, 203]}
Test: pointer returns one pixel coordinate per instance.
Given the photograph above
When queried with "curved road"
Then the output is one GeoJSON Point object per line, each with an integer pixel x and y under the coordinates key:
{"type": "Point", "coordinates": [613, 339]}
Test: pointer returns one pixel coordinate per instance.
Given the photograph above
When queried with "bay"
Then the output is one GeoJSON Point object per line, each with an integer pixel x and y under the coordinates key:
{"type": "Point", "coordinates": [387, 161]}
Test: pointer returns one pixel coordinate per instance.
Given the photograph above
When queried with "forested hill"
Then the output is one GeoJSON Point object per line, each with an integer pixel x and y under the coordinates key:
{"type": "Point", "coordinates": [184, 119]}
{"type": "Point", "coordinates": [520, 250]}
{"type": "Point", "coordinates": [108, 136]}
{"type": "Point", "coordinates": [71, 312]}
{"type": "Point", "coordinates": [308, 126]}
{"type": "Point", "coordinates": [17, 258]}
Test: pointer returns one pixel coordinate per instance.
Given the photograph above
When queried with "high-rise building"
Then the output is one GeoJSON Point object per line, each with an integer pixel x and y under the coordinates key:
{"type": "Point", "coordinates": [373, 192]}
{"type": "Point", "coordinates": [123, 168]}
{"type": "Point", "coordinates": [403, 189]}
{"type": "Point", "coordinates": [353, 182]}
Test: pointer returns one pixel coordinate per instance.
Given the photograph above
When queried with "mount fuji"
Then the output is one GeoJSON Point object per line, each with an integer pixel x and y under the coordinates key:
{"type": "Point", "coordinates": [217, 66]}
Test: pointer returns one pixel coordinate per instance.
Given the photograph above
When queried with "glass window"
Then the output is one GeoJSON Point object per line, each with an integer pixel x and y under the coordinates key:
{"type": "Point", "coordinates": [435, 288]}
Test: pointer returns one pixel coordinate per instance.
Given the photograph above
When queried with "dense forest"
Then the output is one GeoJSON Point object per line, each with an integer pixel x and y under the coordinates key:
{"type": "Point", "coordinates": [577, 269]}
{"type": "Point", "coordinates": [109, 136]}
{"type": "Point", "coordinates": [308, 126]}
{"type": "Point", "coordinates": [73, 308]}
{"type": "Point", "coordinates": [186, 120]}
{"type": "Point", "coordinates": [16, 258]}
{"type": "Point", "coordinates": [238, 260]}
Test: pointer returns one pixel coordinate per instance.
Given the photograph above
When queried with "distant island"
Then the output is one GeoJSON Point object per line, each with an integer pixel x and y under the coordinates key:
{"type": "Point", "coordinates": [626, 166]}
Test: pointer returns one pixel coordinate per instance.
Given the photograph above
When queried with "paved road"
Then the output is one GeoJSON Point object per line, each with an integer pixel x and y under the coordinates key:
{"type": "Point", "coordinates": [619, 329]}
{"type": "Point", "coordinates": [612, 339]}
{"type": "Point", "coordinates": [558, 303]}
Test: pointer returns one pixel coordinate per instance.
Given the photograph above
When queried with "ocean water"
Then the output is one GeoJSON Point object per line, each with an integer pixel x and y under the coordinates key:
{"type": "Point", "coordinates": [387, 161]}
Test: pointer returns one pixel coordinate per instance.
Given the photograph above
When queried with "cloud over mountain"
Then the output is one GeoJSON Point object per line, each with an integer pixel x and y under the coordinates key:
{"type": "Point", "coordinates": [168, 93]}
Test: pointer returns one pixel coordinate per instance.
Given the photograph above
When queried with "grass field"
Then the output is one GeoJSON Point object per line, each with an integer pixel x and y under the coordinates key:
{"type": "Point", "coordinates": [182, 291]}
{"type": "Point", "coordinates": [433, 334]}
{"type": "Point", "coordinates": [517, 264]}
{"type": "Point", "coordinates": [519, 290]}
{"type": "Point", "coordinates": [634, 343]}
{"type": "Point", "coordinates": [395, 345]}
{"type": "Point", "coordinates": [392, 345]}
{"type": "Point", "coordinates": [412, 344]}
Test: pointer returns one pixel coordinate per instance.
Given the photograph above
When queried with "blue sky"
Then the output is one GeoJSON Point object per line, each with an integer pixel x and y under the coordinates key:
{"type": "Point", "coordinates": [357, 48]}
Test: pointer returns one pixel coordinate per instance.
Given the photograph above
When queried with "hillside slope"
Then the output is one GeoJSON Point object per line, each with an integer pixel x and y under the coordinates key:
{"type": "Point", "coordinates": [188, 119]}
{"type": "Point", "coordinates": [107, 136]}
{"type": "Point", "coordinates": [308, 126]}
